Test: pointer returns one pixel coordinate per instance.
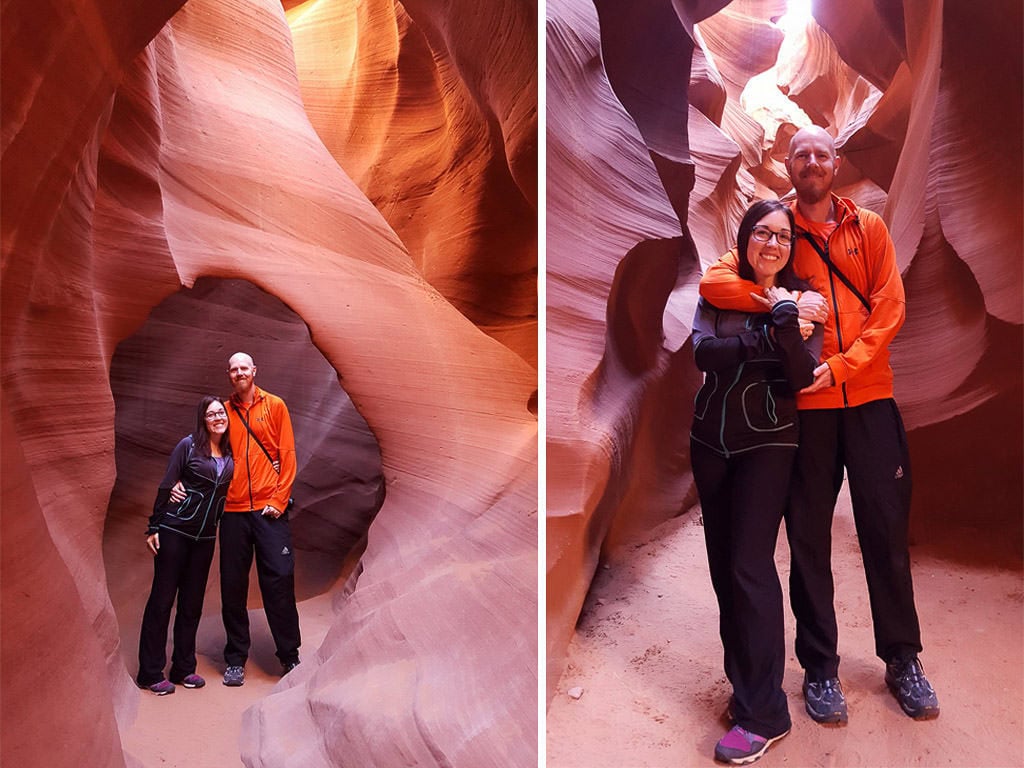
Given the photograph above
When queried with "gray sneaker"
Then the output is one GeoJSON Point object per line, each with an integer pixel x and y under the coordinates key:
{"type": "Point", "coordinates": [234, 676]}
{"type": "Point", "coordinates": [911, 688]}
{"type": "Point", "coordinates": [824, 700]}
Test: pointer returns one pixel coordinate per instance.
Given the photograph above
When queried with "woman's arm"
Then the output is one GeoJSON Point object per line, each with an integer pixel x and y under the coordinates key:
{"type": "Point", "coordinates": [175, 472]}
{"type": "Point", "coordinates": [799, 358]}
{"type": "Point", "coordinates": [712, 353]}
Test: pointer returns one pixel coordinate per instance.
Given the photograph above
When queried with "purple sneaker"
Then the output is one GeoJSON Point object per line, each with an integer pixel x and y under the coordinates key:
{"type": "Point", "coordinates": [162, 688]}
{"type": "Point", "coordinates": [739, 746]}
{"type": "Point", "coordinates": [191, 681]}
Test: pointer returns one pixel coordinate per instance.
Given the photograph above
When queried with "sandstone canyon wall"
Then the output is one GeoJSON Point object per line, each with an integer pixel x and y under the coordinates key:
{"type": "Point", "coordinates": [168, 199]}
{"type": "Point", "coordinates": [664, 120]}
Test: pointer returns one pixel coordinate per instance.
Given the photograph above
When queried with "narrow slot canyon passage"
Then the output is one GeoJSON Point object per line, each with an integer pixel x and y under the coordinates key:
{"type": "Point", "coordinates": [158, 375]}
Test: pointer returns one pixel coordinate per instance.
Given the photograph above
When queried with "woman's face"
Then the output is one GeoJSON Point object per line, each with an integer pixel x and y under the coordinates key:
{"type": "Point", "coordinates": [768, 250]}
{"type": "Point", "coordinates": [216, 418]}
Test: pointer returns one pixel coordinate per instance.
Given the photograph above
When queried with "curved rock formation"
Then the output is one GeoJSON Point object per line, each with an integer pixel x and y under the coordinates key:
{"type": "Point", "coordinates": [914, 94]}
{"type": "Point", "coordinates": [434, 116]}
{"type": "Point", "coordinates": [178, 149]}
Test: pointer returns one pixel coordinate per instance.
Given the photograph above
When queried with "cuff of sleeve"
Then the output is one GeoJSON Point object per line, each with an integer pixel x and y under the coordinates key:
{"type": "Point", "coordinates": [840, 373]}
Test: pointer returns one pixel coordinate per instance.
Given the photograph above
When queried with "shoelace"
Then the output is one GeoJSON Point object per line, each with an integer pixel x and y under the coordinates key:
{"type": "Point", "coordinates": [912, 675]}
{"type": "Point", "coordinates": [828, 686]}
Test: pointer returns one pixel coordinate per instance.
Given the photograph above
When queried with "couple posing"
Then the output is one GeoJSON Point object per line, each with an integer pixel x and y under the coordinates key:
{"type": "Point", "coordinates": [792, 332]}
{"type": "Point", "coordinates": [239, 465]}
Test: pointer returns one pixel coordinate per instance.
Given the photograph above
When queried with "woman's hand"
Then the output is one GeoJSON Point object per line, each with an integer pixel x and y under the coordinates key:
{"type": "Point", "coordinates": [153, 542]}
{"type": "Point", "coordinates": [806, 329]}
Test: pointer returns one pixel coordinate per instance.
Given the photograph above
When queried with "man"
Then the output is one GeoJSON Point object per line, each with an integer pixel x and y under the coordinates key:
{"type": "Point", "coordinates": [848, 419]}
{"type": "Point", "coordinates": [254, 521]}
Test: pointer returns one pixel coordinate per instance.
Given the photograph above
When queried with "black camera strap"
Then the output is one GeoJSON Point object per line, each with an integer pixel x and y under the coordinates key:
{"type": "Point", "coordinates": [823, 253]}
{"type": "Point", "coordinates": [246, 423]}
{"type": "Point", "coordinates": [291, 501]}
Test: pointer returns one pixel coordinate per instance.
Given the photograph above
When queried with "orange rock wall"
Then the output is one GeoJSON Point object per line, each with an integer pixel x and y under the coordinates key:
{"type": "Point", "coordinates": [145, 147]}
{"type": "Point", "coordinates": [916, 95]}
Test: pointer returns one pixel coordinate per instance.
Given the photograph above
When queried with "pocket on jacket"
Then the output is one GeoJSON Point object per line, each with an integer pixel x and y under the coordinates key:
{"type": "Point", "coordinates": [760, 408]}
{"type": "Point", "coordinates": [188, 508]}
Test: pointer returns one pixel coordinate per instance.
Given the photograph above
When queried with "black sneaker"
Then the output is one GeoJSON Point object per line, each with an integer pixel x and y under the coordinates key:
{"type": "Point", "coordinates": [824, 700]}
{"type": "Point", "coordinates": [286, 668]}
{"type": "Point", "coordinates": [911, 688]}
{"type": "Point", "coordinates": [234, 676]}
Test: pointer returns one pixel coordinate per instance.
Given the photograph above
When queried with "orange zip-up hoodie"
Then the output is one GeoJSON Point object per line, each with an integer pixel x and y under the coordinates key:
{"type": "Point", "coordinates": [256, 483]}
{"type": "Point", "coordinates": [856, 344]}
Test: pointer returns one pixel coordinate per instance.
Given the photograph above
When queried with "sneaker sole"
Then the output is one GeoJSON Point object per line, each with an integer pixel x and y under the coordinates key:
{"type": "Point", "coordinates": [747, 759]}
{"type": "Point", "coordinates": [830, 719]}
{"type": "Point", "coordinates": [233, 684]}
{"type": "Point", "coordinates": [193, 685]}
{"type": "Point", "coordinates": [157, 693]}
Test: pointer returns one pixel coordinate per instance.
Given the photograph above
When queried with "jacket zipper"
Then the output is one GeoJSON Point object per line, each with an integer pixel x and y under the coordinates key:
{"type": "Point", "coordinates": [725, 402]}
{"type": "Point", "coordinates": [835, 304]}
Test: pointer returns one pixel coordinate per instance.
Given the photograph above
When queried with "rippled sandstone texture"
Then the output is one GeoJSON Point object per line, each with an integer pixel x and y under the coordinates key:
{"type": "Point", "coordinates": [147, 146]}
{"type": "Point", "coordinates": [651, 153]}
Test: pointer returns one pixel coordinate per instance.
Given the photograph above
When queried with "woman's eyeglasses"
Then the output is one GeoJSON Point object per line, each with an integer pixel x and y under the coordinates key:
{"type": "Point", "coordinates": [763, 234]}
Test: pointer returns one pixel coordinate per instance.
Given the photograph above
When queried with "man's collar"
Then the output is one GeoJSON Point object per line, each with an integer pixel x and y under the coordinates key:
{"type": "Point", "coordinates": [256, 397]}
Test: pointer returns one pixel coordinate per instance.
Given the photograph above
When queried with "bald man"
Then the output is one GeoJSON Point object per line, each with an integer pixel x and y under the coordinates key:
{"type": "Point", "coordinates": [848, 420]}
{"type": "Point", "coordinates": [255, 521]}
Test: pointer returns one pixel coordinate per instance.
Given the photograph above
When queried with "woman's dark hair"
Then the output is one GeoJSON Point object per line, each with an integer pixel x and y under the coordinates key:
{"type": "Point", "coordinates": [201, 437]}
{"type": "Point", "coordinates": [786, 278]}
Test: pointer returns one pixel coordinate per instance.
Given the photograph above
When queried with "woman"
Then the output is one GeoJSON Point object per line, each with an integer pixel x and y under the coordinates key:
{"type": "Point", "coordinates": [742, 445]}
{"type": "Point", "coordinates": [181, 537]}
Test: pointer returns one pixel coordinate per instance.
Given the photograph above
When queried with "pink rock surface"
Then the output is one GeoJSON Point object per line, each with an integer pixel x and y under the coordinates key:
{"type": "Point", "coordinates": [177, 150]}
{"type": "Point", "coordinates": [913, 97]}
{"type": "Point", "coordinates": [433, 113]}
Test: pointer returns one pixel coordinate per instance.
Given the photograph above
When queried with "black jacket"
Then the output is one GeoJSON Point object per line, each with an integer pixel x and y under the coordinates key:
{"type": "Point", "coordinates": [752, 375]}
{"type": "Point", "coordinates": [197, 516]}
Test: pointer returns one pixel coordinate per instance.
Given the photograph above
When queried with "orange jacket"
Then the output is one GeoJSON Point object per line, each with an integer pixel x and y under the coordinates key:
{"type": "Point", "coordinates": [856, 345]}
{"type": "Point", "coordinates": [256, 483]}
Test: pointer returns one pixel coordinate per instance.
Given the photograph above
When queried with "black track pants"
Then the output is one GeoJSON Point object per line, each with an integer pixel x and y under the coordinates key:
{"type": "Point", "coordinates": [180, 569]}
{"type": "Point", "coordinates": [870, 442]}
{"type": "Point", "coordinates": [742, 499]}
{"type": "Point", "coordinates": [243, 534]}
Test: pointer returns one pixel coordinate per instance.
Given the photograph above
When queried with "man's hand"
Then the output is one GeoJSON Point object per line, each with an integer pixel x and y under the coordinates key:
{"type": "Point", "coordinates": [178, 492]}
{"type": "Point", "coordinates": [812, 307]}
{"type": "Point", "coordinates": [153, 542]}
{"type": "Point", "coordinates": [806, 328]}
{"type": "Point", "coordinates": [823, 378]}
{"type": "Point", "coordinates": [272, 511]}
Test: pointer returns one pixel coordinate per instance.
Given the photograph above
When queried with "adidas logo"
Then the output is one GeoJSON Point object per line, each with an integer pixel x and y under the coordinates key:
{"type": "Point", "coordinates": [899, 471]}
{"type": "Point", "coordinates": [287, 551]}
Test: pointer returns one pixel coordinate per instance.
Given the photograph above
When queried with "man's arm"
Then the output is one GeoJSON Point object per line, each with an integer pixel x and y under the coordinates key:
{"type": "Point", "coordinates": [724, 288]}
{"type": "Point", "coordinates": [285, 455]}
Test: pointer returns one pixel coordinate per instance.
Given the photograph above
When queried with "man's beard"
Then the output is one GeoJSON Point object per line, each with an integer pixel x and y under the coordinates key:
{"type": "Point", "coordinates": [813, 189]}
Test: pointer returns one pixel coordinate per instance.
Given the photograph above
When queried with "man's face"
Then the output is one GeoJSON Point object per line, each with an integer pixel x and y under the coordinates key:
{"type": "Point", "coordinates": [812, 166]}
{"type": "Point", "coordinates": [241, 372]}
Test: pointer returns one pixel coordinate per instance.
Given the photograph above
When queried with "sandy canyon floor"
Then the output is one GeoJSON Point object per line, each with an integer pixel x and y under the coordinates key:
{"type": "Point", "coordinates": [648, 658]}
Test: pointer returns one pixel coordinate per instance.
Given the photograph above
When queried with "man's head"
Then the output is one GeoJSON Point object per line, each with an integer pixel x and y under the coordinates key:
{"type": "Point", "coordinates": [241, 372]}
{"type": "Point", "coordinates": [812, 164]}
